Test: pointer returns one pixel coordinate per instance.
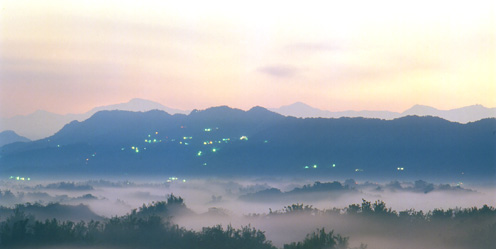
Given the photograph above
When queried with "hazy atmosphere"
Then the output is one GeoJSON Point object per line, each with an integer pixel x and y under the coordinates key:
{"type": "Point", "coordinates": [248, 125]}
{"type": "Point", "coordinates": [70, 56]}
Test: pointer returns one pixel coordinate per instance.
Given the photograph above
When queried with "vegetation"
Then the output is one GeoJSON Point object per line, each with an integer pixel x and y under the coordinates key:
{"type": "Point", "coordinates": [143, 228]}
{"type": "Point", "coordinates": [150, 227]}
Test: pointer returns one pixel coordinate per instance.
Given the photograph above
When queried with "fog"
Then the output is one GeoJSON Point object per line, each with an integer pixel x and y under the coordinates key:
{"type": "Point", "coordinates": [262, 203]}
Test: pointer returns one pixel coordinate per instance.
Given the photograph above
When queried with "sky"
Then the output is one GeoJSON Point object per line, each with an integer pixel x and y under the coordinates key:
{"type": "Point", "coordinates": [70, 56]}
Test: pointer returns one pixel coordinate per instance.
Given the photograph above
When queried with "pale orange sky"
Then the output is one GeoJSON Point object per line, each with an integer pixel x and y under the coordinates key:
{"type": "Point", "coordinates": [71, 56]}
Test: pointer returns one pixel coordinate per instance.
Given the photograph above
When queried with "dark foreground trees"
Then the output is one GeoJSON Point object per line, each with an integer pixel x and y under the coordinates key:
{"type": "Point", "coordinates": [143, 228]}
{"type": "Point", "coordinates": [150, 227]}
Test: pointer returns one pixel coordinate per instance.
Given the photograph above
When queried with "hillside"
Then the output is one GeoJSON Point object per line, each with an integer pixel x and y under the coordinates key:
{"type": "Point", "coordinates": [226, 141]}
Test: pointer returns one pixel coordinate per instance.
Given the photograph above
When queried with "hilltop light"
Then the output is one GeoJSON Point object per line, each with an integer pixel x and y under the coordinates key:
{"type": "Point", "coordinates": [243, 138]}
{"type": "Point", "coordinates": [315, 166]}
{"type": "Point", "coordinates": [214, 150]}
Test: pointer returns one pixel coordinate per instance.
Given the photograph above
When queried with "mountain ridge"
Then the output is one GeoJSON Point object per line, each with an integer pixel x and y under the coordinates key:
{"type": "Point", "coordinates": [223, 140]}
{"type": "Point", "coordinates": [42, 124]}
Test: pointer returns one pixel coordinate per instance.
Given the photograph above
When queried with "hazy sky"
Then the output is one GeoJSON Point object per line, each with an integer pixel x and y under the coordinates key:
{"type": "Point", "coordinates": [69, 56]}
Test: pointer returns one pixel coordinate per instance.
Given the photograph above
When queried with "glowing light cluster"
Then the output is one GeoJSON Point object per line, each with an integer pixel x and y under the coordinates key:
{"type": "Point", "coordinates": [358, 170]}
{"type": "Point", "coordinates": [173, 179]}
{"type": "Point", "coordinates": [136, 149]}
{"type": "Point", "coordinates": [20, 178]}
{"type": "Point", "coordinates": [245, 138]}
{"type": "Point", "coordinates": [400, 168]}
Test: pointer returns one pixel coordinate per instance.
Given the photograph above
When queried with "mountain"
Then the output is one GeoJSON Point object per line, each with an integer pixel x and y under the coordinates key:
{"type": "Point", "coordinates": [460, 115]}
{"type": "Point", "coordinates": [226, 141]}
{"type": "Point", "coordinates": [7, 137]}
{"type": "Point", "coordinates": [302, 110]}
{"type": "Point", "coordinates": [136, 105]}
{"type": "Point", "coordinates": [42, 124]}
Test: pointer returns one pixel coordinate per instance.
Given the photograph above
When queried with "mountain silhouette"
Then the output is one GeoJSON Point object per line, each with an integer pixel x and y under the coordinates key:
{"type": "Point", "coordinates": [7, 137]}
{"type": "Point", "coordinates": [42, 124]}
{"type": "Point", "coordinates": [227, 141]}
{"type": "Point", "coordinates": [460, 115]}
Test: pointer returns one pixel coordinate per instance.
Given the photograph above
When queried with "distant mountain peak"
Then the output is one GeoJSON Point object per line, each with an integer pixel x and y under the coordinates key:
{"type": "Point", "coordinates": [298, 104]}
{"type": "Point", "coordinates": [9, 136]}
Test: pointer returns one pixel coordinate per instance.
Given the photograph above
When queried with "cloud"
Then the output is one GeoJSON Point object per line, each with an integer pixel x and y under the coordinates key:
{"type": "Point", "coordinates": [279, 71]}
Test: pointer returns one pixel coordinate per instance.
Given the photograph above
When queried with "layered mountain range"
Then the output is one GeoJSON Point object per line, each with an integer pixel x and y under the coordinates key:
{"type": "Point", "coordinates": [42, 124]}
{"type": "Point", "coordinates": [227, 141]}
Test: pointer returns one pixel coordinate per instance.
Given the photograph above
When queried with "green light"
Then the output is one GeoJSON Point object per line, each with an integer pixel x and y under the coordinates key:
{"type": "Point", "coordinates": [149, 135]}
{"type": "Point", "coordinates": [334, 165]}
{"type": "Point", "coordinates": [306, 167]}
{"type": "Point", "coordinates": [266, 141]}
{"type": "Point", "coordinates": [199, 153]}
{"type": "Point", "coordinates": [29, 179]}
{"type": "Point", "coordinates": [154, 140]}
{"type": "Point", "coordinates": [11, 177]}
{"type": "Point", "coordinates": [315, 166]}
{"type": "Point", "coordinates": [17, 178]}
